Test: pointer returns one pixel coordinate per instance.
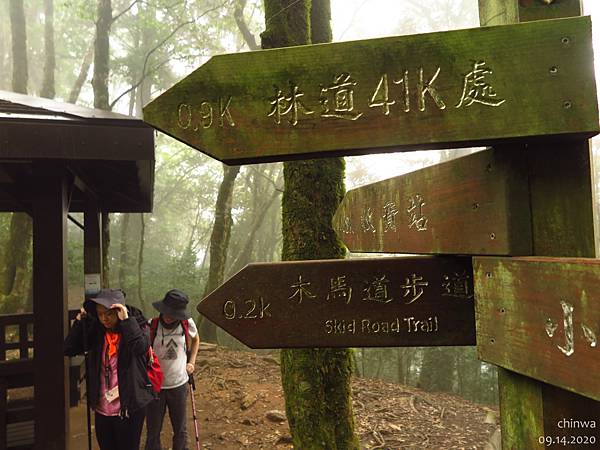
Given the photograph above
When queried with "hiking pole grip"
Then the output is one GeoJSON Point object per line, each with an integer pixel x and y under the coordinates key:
{"type": "Point", "coordinates": [191, 381]}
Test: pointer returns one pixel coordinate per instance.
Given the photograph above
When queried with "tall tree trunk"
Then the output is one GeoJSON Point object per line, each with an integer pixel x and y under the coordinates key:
{"type": "Point", "coordinates": [48, 88]}
{"type": "Point", "coordinates": [219, 243]}
{"type": "Point", "coordinates": [16, 277]}
{"type": "Point", "coordinates": [400, 371]}
{"type": "Point", "coordinates": [19, 46]}
{"type": "Point", "coordinates": [100, 85]}
{"type": "Point", "coordinates": [4, 60]}
{"type": "Point", "coordinates": [259, 214]}
{"type": "Point", "coordinates": [125, 259]}
{"type": "Point", "coordinates": [431, 377]}
{"type": "Point", "coordinates": [316, 382]}
{"type": "Point", "coordinates": [101, 55]}
{"type": "Point", "coordinates": [238, 15]}
{"type": "Point", "coordinates": [83, 74]}
{"type": "Point", "coordinates": [143, 91]}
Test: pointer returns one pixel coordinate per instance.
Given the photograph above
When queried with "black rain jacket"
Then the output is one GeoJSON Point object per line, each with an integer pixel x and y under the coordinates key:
{"type": "Point", "coordinates": [135, 389]}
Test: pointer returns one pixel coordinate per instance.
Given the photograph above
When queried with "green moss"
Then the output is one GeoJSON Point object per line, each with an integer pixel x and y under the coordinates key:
{"type": "Point", "coordinates": [318, 398]}
{"type": "Point", "coordinates": [313, 189]}
{"type": "Point", "coordinates": [316, 382]}
{"type": "Point", "coordinates": [287, 23]}
{"type": "Point", "coordinates": [520, 402]}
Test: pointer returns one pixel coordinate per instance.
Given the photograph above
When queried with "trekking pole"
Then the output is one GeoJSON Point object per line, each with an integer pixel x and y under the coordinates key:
{"type": "Point", "coordinates": [192, 389]}
{"type": "Point", "coordinates": [87, 383]}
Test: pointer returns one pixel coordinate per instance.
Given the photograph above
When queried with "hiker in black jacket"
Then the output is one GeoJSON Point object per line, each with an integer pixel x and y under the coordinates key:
{"type": "Point", "coordinates": [117, 342]}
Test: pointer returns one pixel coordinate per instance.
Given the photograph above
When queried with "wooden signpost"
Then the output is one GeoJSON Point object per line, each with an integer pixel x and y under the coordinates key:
{"type": "Point", "coordinates": [530, 85]}
{"type": "Point", "coordinates": [477, 204]}
{"type": "Point", "coordinates": [412, 301]}
{"type": "Point", "coordinates": [562, 203]}
{"type": "Point", "coordinates": [438, 90]}
{"type": "Point", "coordinates": [541, 317]}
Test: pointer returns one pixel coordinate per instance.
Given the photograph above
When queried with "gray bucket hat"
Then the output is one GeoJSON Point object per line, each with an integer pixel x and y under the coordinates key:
{"type": "Point", "coordinates": [108, 297]}
{"type": "Point", "coordinates": [174, 304]}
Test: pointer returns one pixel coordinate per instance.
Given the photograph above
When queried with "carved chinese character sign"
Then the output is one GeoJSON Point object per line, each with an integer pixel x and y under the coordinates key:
{"type": "Point", "coordinates": [477, 204]}
{"type": "Point", "coordinates": [348, 303]}
{"type": "Point", "coordinates": [541, 317]}
{"type": "Point", "coordinates": [438, 90]}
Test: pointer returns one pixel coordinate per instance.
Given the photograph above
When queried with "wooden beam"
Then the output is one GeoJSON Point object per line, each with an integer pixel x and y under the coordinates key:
{"type": "Point", "coordinates": [560, 183]}
{"type": "Point", "coordinates": [51, 368]}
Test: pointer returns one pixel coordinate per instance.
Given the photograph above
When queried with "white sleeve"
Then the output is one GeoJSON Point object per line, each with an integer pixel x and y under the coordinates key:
{"type": "Point", "coordinates": [193, 330]}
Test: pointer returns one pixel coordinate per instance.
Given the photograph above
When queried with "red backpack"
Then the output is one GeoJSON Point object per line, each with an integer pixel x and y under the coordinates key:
{"type": "Point", "coordinates": [155, 374]}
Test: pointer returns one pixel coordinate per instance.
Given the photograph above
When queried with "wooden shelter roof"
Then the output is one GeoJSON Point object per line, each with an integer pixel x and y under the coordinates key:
{"type": "Point", "coordinates": [110, 155]}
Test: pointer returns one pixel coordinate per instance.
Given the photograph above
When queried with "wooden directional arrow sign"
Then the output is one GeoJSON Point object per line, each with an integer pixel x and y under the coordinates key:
{"type": "Point", "coordinates": [438, 90]}
{"type": "Point", "coordinates": [477, 204]}
{"type": "Point", "coordinates": [541, 317]}
{"type": "Point", "coordinates": [413, 301]}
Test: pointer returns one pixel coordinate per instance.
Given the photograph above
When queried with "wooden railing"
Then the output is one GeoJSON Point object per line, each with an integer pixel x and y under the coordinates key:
{"type": "Point", "coordinates": [19, 328]}
{"type": "Point", "coordinates": [17, 371]}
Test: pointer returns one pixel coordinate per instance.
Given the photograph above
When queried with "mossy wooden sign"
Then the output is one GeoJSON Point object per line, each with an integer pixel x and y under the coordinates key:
{"type": "Point", "coordinates": [438, 90]}
{"type": "Point", "coordinates": [414, 301]}
{"type": "Point", "coordinates": [541, 317]}
{"type": "Point", "coordinates": [477, 204]}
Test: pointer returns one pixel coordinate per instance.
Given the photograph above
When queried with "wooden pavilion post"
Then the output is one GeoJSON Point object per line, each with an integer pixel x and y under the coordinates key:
{"type": "Point", "coordinates": [92, 241]}
{"type": "Point", "coordinates": [562, 201]}
{"type": "Point", "coordinates": [51, 368]}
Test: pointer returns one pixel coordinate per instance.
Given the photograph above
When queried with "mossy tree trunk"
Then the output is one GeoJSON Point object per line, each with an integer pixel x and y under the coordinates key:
{"type": "Point", "coordinates": [316, 382]}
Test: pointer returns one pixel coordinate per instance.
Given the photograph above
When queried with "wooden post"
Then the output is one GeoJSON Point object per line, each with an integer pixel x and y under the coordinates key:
{"type": "Point", "coordinates": [562, 225]}
{"type": "Point", "coordinates": [92, 239]}
{"type": "Point", "coordinates": [3, 431]}
{"type": "Point", "coordinates": [51, 368]}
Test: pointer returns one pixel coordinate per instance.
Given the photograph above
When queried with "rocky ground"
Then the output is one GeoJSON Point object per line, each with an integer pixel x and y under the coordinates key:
{"type": "Point", "coordinates": [240, 405]}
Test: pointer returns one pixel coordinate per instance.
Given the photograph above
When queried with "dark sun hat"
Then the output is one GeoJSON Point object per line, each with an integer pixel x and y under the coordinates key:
{"type": "Point", "coordinates": [108, 297]}
{"type": "Point", "coordinates": [174, 304]}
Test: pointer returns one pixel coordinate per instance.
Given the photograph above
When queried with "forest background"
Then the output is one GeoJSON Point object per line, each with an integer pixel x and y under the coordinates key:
{"type": "Point", "coordinates": [208, 220]}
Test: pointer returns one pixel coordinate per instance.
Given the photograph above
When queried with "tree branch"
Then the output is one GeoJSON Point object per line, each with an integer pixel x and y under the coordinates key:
{"type": "Point", "coordinates": [238, 15]}
{"type": "Point", "coordinates": [270, 180]}
{"type": "Point", "coordinates": [140, 81]}
{"type": "Point", "coordinates": [115, 18]}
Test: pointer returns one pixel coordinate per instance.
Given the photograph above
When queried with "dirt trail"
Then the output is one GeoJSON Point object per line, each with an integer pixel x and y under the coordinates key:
{"type": "Point", "coordinates": [240, 406]}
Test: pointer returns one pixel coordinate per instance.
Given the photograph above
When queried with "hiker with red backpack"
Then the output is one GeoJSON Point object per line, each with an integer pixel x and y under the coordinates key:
{"type": "Point", "coordinates": [174, 338]}
{"type": "Point", "coordinates": [116, 345]}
